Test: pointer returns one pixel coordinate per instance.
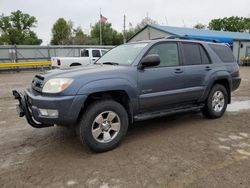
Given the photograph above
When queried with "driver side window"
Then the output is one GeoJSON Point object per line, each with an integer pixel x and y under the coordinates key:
{"type": "Point", "coordinates": [168, 53]}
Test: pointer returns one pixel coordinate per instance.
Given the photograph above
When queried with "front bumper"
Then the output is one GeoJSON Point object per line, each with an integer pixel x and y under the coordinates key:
{"type": "Point", "coordinates": [68, 108]}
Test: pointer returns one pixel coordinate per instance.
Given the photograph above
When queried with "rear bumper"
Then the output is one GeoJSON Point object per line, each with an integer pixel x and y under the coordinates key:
{"type": "Point", "coordinates": [68, 108]}
{"type": "Point", "coordinates": [236, 83]}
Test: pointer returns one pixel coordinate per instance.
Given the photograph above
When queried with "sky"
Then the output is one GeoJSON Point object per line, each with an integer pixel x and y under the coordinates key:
{"type": "Point", "coordinates": [86, 12]}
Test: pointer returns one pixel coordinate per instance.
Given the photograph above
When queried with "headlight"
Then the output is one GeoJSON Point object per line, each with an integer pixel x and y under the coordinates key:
{"type": "Point", "coordinates": [56, 85]}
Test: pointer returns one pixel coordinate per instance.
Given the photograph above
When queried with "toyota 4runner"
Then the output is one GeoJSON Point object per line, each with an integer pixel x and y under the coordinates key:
{"type": "Point", "coordinates": [132, 82]}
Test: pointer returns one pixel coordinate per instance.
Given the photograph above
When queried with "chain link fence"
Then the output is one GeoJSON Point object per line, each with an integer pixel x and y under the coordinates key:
{"type": "Point", "coordinates": [26, 53]}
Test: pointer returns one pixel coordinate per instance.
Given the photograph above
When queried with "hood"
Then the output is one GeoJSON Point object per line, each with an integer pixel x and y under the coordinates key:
{"type": "Point", "coordinates": [81, 75]}
{"type": "Point", "coordinates": [76, 72]}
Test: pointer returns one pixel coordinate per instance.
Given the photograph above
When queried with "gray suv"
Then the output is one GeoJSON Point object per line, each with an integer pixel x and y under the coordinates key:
{"type": "Point", "coordinates": [132, 82]}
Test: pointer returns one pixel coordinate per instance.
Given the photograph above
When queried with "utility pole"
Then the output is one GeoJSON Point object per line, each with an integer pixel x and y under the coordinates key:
{"type": "Point", "coordinates": [124, 29]}
{"type": "Point", "coordinates": [100, 23]}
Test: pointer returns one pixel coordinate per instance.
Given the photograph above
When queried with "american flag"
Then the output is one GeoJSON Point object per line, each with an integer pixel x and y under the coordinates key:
{"type": "Point", "coordinates": [103, 19]}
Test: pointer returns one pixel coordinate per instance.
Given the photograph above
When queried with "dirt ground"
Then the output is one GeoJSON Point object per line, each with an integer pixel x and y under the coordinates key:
{"type": "Point", "coordinates": [181, 151]}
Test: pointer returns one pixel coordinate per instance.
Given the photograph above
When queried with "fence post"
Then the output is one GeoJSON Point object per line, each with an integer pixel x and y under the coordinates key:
{"type": "Point", "coordinates": [15, 51]}
{"type": "Point", "coordinates": [49, 57]}
{"type": "Point", "coordinates": [16, 57]}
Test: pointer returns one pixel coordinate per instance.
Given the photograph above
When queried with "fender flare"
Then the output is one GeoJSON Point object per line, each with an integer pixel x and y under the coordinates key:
{"type": "Point", "coordinates": [220, 75]}
{"type": "Point", "coordinates": [112, 84]}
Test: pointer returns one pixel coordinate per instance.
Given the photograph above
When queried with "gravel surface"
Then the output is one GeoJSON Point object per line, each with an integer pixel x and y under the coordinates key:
{"type": "Point", "coordinates": [178, 151]}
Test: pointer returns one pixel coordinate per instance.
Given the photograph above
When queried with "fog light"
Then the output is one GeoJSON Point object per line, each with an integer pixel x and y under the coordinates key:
{"type": "Point", "coordinates": [49, 112]}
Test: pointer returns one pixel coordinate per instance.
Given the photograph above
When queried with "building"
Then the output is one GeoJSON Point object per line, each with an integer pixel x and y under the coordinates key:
{"type": "Point", "coordinates": [239, 42]}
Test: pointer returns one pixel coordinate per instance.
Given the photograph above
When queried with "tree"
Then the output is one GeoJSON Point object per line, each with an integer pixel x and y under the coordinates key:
{"type": "Point", "coordinates": [109, 35]}
{"type": "Point", "coordinates": [233, 23]}
{"type": "Point", "coordinates": [61, 32]}
{"type": "Point", "coordinates": [16, 29]}
{"type": "Point", "coordinates": [145, 21]}
{"type": "Point", "coordinates": [200, 26]}
{"type": "Point", "coordinates": [79, 38]}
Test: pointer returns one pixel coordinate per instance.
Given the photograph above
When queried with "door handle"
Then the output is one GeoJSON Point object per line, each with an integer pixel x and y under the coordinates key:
{"type": "Point", "coordinates": [178, 71]}
{"type": "Point", "coordinates": [208, 68]}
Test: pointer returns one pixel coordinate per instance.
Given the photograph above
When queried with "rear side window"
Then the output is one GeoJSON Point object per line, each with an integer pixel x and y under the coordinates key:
{"type": "Point", "coordinates": [168, 53]}
{"type": "Point", "coordinates": [191, 54]}
{"type": "Point", "coordinates": [96, 53]}
{"type": "Point", "coordinates": [223, 52]}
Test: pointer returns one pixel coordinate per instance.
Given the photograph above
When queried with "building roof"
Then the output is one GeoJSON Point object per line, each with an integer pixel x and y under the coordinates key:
{"type": "Point", "coordinates": [182, 31]}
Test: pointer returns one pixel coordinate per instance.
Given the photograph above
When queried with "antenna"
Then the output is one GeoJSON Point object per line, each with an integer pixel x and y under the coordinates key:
{"type": "Point", "coordinates": [166, 20]}
{"type": "Point", "coordinates": [184, 25]}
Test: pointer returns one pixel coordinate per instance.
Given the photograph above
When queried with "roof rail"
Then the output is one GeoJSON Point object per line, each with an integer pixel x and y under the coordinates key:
{"type": "Point", "coordinates": [186, 37]}
{"type": "Point", "coordinates": [158, 38]}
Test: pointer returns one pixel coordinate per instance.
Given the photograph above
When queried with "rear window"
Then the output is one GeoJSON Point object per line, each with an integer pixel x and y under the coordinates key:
{"type": "Point", "coordinates": [84, 53]}
{"type": "Point", "coordinates": [223, 52]}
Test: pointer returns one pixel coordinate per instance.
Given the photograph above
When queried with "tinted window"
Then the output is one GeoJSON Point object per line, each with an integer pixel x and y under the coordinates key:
{"type": "Point", "coordinates": [84, 53]}
{"type": "Point", "coordinates": [96, 53]}
{"type": "Point", "coordinates": [168, 53]}
{"type": "Point", "coordinates": [223, 52]}
{"type": "Point", "coordinates": [204, 56]}
{"type": "Point", "coordinates": [192, 55]}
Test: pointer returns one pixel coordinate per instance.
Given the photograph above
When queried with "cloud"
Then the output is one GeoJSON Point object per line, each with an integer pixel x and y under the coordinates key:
{"type": "Point", "coordinates": [83, 12]}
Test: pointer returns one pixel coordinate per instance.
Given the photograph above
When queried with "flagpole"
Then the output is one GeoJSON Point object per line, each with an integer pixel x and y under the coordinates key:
{"type": "Point", "coordinates": [100, 23]}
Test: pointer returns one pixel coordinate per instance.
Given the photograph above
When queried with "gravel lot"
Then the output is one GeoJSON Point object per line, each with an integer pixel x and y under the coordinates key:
{"type": "Point", "coordinates": [181, 151]}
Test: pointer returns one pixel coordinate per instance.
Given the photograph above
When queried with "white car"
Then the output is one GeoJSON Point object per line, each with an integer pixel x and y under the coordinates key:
{"type": "Point", "coordinates": [87, 56]}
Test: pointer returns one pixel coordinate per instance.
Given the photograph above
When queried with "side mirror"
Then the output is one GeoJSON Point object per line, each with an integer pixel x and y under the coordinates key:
{"type": "Point", "coordinates": [150, 61]}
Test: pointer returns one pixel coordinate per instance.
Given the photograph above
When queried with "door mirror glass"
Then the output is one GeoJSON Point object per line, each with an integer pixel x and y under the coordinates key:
{"type": "Point", "coordinates": [150, 61]}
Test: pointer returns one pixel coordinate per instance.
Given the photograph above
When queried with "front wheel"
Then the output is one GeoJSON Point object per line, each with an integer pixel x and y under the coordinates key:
{"type": "Point", "coordinates": [216, 102]}
{"type": "Point", "coordinates": [103, 125]}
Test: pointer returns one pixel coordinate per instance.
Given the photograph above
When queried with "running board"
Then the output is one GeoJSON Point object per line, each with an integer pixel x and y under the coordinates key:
{"type": "Point", "coordinates": [150, 115]}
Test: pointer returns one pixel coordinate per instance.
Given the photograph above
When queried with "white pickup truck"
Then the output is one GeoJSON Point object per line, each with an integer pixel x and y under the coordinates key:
{"type": "Point", "coordinates": [87, 56]}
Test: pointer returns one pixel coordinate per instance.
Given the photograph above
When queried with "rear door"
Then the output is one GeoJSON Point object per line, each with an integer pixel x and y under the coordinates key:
{"type": "Point", "coordinates": [197, 66]}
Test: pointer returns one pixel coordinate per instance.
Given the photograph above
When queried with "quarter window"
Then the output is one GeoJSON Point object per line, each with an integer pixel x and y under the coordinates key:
{"type": "Point", "coordinates": [223, 52]}
{"type": "Point", "coordinates": [168, 53]}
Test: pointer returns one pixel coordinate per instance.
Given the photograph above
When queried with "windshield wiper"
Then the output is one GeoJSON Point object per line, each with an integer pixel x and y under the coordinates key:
{"type": "Point", "coordinates": [110, 63]}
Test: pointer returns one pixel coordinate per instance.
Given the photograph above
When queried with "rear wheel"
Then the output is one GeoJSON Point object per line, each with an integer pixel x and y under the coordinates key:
{"type": "Point", "coordinates": [216, 102]}
{"type": "Point", "coordinates": [103, 125]}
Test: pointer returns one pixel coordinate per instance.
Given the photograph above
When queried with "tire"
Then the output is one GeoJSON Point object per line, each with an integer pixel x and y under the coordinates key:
{"type": "Point", "coordinates": [216, 103]}
{"type": "Point", "coordinates": [103, 125]}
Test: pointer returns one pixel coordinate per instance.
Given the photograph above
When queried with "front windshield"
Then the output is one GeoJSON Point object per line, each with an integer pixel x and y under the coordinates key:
{"type": "Point", "coordinates": [123, 55]}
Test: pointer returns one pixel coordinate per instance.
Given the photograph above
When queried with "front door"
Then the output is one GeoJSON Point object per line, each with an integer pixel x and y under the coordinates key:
{"type": "Point", "coordinates": [161, 85]}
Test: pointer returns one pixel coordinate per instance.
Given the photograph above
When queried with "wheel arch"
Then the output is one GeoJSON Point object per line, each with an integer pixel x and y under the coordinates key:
{"type": "Point", "coordinates": [120, 96]}
{"type": "Point", "coordinates": [75, 64]}
{"type": "Point", "coordinates": [224, 81]}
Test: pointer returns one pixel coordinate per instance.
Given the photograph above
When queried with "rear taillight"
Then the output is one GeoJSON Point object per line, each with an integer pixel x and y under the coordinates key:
{"type": "Point", "coordinates": [58, 62]}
